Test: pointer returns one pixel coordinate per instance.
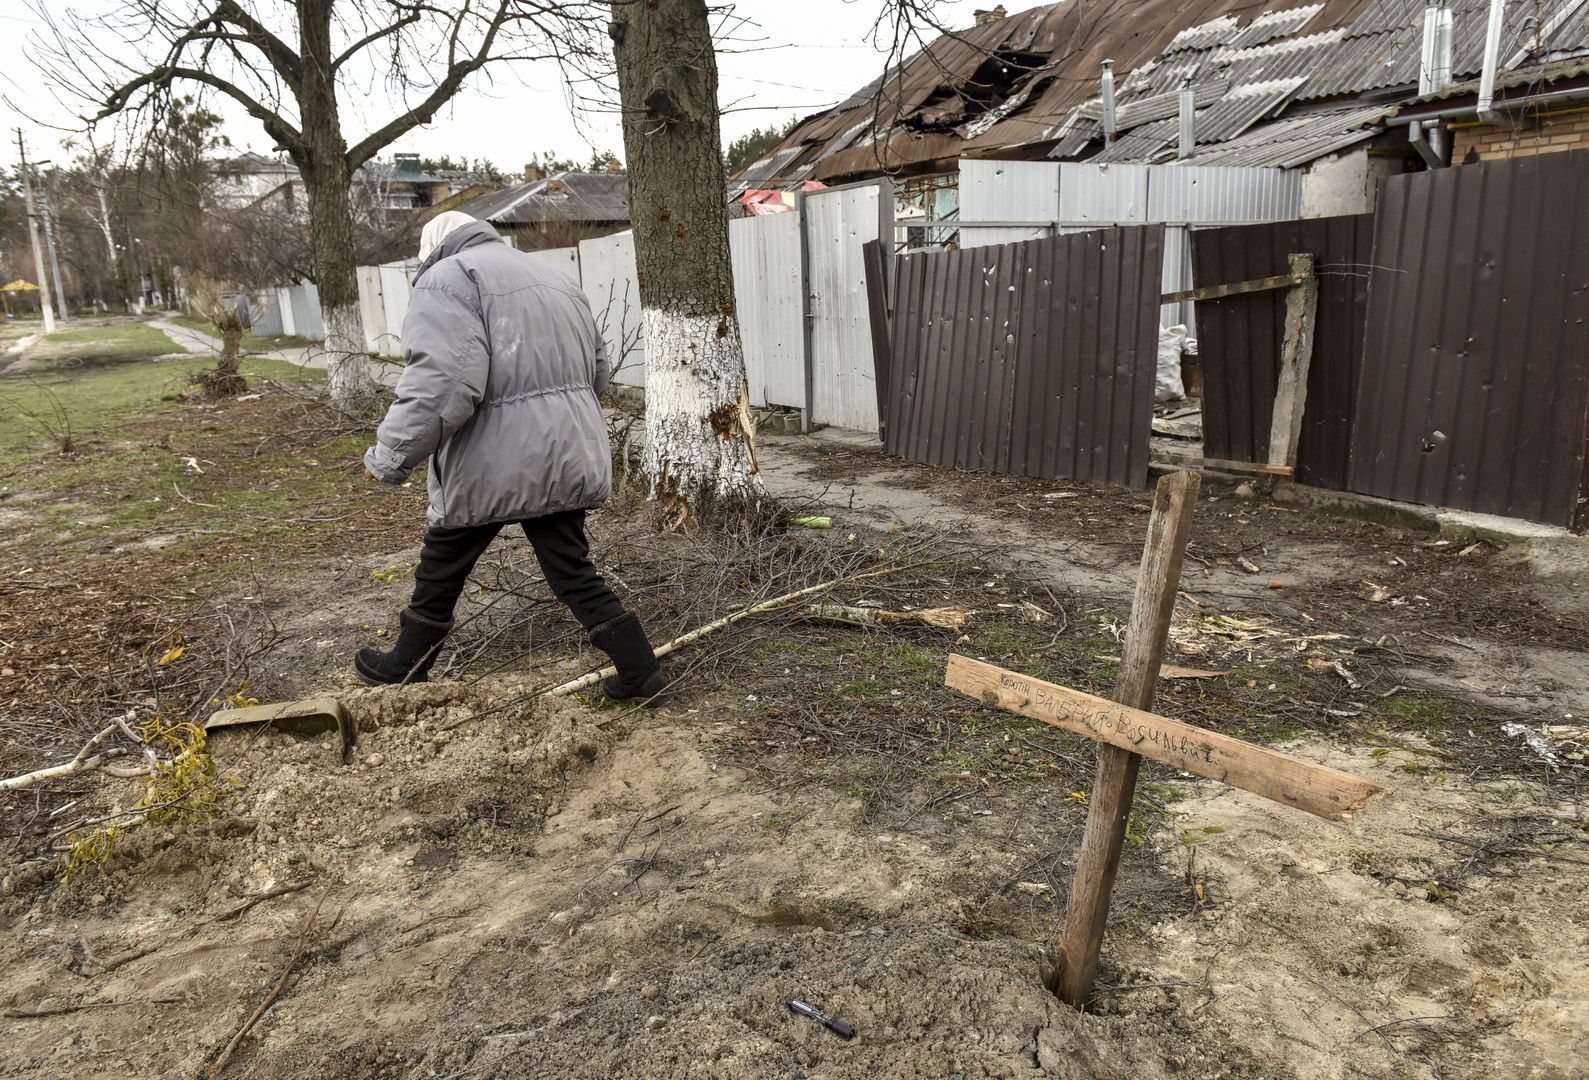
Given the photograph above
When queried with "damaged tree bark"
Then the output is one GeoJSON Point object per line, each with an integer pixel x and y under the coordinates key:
{"type": "Point", "coordinates": [700, 437]}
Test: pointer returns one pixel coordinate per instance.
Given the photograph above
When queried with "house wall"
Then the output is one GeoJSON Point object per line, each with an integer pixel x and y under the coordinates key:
{"type": "Point", "coordinates": [1566, 128]}
{"type": "Point", "coordinates": [1336, 185]}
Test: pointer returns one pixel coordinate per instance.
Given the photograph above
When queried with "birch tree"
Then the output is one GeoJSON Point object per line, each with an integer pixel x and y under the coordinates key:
{"type": "Point", "coordinates": [290, 65]}
{"type": "Point", "coordinates": [700, 446]}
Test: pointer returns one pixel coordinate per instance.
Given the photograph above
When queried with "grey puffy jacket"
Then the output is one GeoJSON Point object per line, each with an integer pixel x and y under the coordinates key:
{"type": "Point", "coordinates": [503, 370]}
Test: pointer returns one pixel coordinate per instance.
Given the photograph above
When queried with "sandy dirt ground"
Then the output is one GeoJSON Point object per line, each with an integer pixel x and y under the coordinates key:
{"type": "Point", "coordinates": [552, 891]}
{"type": "Point", "coordinates": [491, 886]}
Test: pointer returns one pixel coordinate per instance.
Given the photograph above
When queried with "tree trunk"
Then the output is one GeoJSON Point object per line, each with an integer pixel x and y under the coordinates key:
{"type": "Point", "coordinates": [331, 218]}
{"type": "Point", "coordinates": [700, 437]}
{"type": "Point", "coordinates": [325, 175]}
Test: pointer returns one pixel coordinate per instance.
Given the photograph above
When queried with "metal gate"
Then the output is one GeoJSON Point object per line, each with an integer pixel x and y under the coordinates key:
{"type": "Point", "coordinates": [839, 222]}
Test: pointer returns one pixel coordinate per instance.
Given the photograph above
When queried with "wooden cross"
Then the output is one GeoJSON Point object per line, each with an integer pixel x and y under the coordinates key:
{"type": "Point", "coordinates": [1129, 732]}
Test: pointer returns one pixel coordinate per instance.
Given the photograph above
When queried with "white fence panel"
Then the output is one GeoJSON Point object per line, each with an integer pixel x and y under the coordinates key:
{"type": "Point", "coordinates": [565, 259]}
{"type": "Point", "coordinates": [1215, 195]}
{"type": "Point", "coordinates": [264, 308]}
{"type": "Point", "coordinates": [1007, 191]}
{"type": "Point", "coordinates": [1104, 195]}
{"type": "Point", "coordinates": [306, 318]}
{"type": "Point", "coordinates": [607, 274]}
{"type": "Point", "coordinates": [838, 222]}
{"type": "Point", "coordinates": [372, 309]}
{"type": "Point", "coordinates": [769, 299]}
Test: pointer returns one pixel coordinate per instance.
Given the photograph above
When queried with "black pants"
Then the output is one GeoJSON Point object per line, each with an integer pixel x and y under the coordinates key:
{"type": "Point", "coordinates": [560, 547]}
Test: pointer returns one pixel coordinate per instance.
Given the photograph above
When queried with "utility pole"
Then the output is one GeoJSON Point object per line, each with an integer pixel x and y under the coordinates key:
{"type": "Point", "coordinates": [49, 243]}
{"type": "Point", "coordinates": [33, 235]}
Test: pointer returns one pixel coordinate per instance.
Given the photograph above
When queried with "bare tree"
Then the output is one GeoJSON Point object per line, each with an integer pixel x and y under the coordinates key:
{"type": "Point", "coordinates": [700, 445]}
{"type": "Point", "coordinates": [290, 66]}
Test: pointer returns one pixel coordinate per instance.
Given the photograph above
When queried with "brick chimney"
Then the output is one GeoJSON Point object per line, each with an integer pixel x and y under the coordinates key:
{"type": "Point", "coordinates": [532, 173]}
{"type": "Point", "coordinates": [985, 17]}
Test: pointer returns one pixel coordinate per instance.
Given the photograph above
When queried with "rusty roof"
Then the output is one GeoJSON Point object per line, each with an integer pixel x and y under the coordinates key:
{"type": "Point", "coordinates": [1028, 85]}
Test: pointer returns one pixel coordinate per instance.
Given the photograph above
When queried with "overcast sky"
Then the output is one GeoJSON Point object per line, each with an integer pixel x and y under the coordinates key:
{"type": "Point", "coordinates": [809, 56]}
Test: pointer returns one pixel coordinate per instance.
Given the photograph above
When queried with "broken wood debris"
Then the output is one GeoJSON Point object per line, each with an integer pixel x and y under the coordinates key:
{"type": "Point", "coordinates": [952, 618]}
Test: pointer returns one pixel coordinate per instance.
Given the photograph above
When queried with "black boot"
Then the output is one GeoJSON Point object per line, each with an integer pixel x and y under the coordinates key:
{"type": "Point", "coordinates": [411, 656]}
{"type": "Point", "coordinates": [639, 671]}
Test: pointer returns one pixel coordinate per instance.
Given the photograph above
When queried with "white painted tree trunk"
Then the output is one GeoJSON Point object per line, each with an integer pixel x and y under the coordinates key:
{"type": "Point", "coordinates": [699, 431]}
{"type": "Point", "coordinates": [699, 446]}
{"type": "Point", "coordinates": [348, 363]}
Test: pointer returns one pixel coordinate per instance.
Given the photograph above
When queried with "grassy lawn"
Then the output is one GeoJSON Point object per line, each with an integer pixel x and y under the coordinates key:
{"type": "Point", "coordinates": [85, 402]}
{"type": "Point", "coordinates": [250, 342]}
{"type": "Point", "coordinates": [103, 344]}
{"type": "Point", "coordinates": [100, 454]}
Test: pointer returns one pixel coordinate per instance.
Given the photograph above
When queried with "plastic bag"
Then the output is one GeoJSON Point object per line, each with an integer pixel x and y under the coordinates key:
{"type": "Point", "coordinates": [1167, 380]}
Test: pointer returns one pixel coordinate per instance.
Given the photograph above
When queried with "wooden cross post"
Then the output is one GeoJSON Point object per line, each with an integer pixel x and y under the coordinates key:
{"type": "Point", "coordinates": [1116, 780]}
{"type": "Point", "coordinates": [1129, 732]}
{"type": "Point", "coordinates": [1296, 357]}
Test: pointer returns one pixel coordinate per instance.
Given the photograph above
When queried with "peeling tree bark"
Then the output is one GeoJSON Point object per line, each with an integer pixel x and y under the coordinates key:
{"type": "Point", "coordinates": [700, 436]}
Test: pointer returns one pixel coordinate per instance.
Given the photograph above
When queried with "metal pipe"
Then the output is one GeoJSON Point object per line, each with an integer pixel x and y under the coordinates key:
{"type": "Point", "coordinates": [1499, 106]}
{"type": "Point", "coordinates": [1429, 145]}
{"type": "Point", "coordinates": [1108, 94]}
{"type": "Point", "coordinates": [1434, 72]}
{"type": "Point", "coordinates": [1492, 55]}
{"type": "Point", "coordinates": [1188, 103]}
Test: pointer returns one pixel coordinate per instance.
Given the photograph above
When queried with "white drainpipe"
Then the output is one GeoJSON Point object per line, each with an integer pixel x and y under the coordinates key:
{"type": "Point", "coordinates": [1108, 93]}
{"type": "Point", "coordinates": [1492, 53]}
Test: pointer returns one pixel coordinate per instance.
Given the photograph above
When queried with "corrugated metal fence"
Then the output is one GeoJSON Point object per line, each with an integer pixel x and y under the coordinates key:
{"type": "Point", "coordinates": [287, 309]}
{"type": "Point", "coordinates": [1034, 358]}
{"type": "Point", "coordinates": [1075, 196]}
{"type": "Point", "coordinates": [781, 263]}
{"type": "Point", "coordinates": [1475, 387]}
{"type": "Point", "coordinates": [1239, 338]}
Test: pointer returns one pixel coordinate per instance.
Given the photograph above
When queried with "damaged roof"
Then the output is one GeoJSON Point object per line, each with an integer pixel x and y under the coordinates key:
{"type": "Point", "coordinates": [1028, 85]}
{"type": "Point", "coordinates": [588, 198]}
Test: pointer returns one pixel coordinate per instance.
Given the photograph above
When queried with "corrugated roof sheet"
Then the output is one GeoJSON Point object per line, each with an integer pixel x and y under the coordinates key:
{"type": "Point", "coordinates": [1220, 31]}
{"type": "Point", "coordinates": [569, 196]}
{"type": "Point", "coordinates": [1140, 144]}
{"type": "Point", "coordinates": [1274, 24]}
{"type": "Point", "coordinates": [1295, 140]}
{"type": "Point", "coordinates": [1242, 108]}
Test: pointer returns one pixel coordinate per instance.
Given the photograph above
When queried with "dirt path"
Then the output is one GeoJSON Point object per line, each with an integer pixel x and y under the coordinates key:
{"type": "Point", "coordinates": [1087, 540]}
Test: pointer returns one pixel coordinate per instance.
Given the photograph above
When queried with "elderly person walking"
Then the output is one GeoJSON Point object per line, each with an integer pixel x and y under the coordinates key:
{"type": "Point", "coordinates": [503, 371]}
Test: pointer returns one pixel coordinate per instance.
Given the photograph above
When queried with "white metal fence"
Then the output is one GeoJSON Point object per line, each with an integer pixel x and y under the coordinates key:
{"type": "Point", "coordinates": [287, 309]}
{"type": "Point", "coordinates": [774, 259]}
{"type": "Point", "coordinates": [799, 280]}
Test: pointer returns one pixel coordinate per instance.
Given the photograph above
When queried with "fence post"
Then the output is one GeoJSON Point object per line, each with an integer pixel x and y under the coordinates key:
{"type": "Point", "coordinates": [1296, 356]}
{"type": "Point", "coordinates": [807, 317]}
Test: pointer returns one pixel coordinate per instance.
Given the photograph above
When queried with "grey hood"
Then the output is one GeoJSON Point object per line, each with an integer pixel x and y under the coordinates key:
{"type": "Point", "coordinates": [503, 371]}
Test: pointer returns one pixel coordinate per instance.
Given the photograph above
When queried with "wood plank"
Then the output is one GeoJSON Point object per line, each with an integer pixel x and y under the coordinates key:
{"type": "Point", "coordinates": [1317, 789]}
{"type": "Point", "coordinates": [1219, 292]}
{"type": "Point", "coordinates": [1221, 465]}
{"type": "Point", "coordinates": [1147, 633]}
{"type": "Point", "coordinates": [1296, 356]}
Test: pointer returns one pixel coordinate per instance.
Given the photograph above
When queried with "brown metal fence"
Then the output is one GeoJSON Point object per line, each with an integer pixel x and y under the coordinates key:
{"type": "Point", "coordinates": [1034, 358]}
{"type": "Point", "coordinates": [1239, 338]}
{"type": "Point", "coordinates": [1475, 383]}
